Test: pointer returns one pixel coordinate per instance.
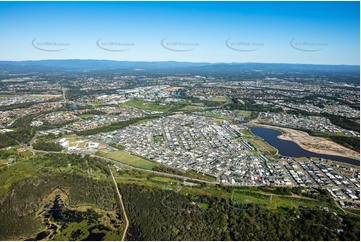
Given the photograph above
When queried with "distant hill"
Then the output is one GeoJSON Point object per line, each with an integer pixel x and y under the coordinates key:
{"type": "Point", "coordinates": [345, 73]}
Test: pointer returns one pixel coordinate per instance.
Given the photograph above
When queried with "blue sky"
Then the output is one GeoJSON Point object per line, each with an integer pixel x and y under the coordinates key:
{"type": "Point", "coordinates": [269, 32]}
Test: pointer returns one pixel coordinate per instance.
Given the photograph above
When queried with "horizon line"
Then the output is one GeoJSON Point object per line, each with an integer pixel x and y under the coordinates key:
{"type": "Point", "coordinates": [195, 62]}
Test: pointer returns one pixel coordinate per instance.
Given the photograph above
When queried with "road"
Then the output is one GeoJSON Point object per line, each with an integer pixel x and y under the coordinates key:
{"type": "Point", "coordinates": [156, 172]}
{"type": "Point", "coordinates": [30, 148]}
{"type": "Point", "coordinates": [121, 204]}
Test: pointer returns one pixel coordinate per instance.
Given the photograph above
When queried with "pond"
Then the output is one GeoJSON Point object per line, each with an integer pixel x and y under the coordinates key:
{"type": "Point", "coordinates": [291, 149]}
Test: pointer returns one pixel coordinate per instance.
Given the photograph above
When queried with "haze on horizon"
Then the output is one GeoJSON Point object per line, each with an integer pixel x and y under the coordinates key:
{"type": "Point", "coordinates": [263, 32]}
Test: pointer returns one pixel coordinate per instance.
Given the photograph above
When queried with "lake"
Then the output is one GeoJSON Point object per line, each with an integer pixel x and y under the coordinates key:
{"type": "Point", "coordinates": [291, 149]}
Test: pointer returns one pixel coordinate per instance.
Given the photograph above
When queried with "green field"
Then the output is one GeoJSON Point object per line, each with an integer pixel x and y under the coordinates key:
{"type": "Point", "coordinates": [198, 104]}
{"type": "Point", "coordinates": [15, 173]}
{"type": "Point", "coordinates": [141, 104]}
{"type": "Point", "coordinates": [273, 201]}
{"type": "Point", "coordinates": [262, 146]}
{"type": "Point", "coordinates": [7, 95]}
{"type": "Point", "coordinates": [6, 153]}
{"type": "Point", "coordinates": [96, 103]}
{"type": "Point", "coordinates": [218, 99]}
{"type": "Point", "coordinates": [189, 108]}
{"type": "Point", "coordinates": [158, 138]}
{"type": "Point", "coordinates": [25, 154]}
{"type": "Point", "coordinates": [243, 113]}
{"type": "Point", "coordinates": [86, 116]}
{"type": "Point", "coordinates": [129, 159]}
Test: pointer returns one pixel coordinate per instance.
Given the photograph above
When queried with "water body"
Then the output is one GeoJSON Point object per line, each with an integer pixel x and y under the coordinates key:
{"type": "Point", "coordinates": [291, 149]}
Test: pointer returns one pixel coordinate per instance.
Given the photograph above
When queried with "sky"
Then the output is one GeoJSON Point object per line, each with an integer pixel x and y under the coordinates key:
{"type": "Point", "coordinates": [267, 32]}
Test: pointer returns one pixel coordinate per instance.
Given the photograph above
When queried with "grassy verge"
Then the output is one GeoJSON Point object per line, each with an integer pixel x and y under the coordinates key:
{"type": "Point", "coordinates": [262, 146]}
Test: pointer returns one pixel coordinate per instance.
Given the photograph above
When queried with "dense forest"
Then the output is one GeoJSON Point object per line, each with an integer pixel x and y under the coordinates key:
{"type": "Point", "coordinates": [19, 205]}
{"type": "Point", "coordinates": [6, 141]}
{"type": "Point", "coordinates": [168, 215]}
{"type": "Point", "coordinates": [42, 144]}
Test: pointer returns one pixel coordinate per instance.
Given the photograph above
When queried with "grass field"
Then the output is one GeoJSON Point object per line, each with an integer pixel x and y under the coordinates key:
{"type": "Point", "coordinates": [86, 116]}
{"type": "Point", "coordinates": [25, 154]}
{"type": "Point", "coordinates": [190, 108]}
{"type": "Point", "coordinates": [244, 113]}
{"type": "Point", "coordinates": [198, 104]}
{"type": "Point", "coordinates": [7, 95]}
{"type": "Point", "coordinates": [273, 201]}
{"type": "Point", "coordinates": [218, 99]}
{"type": "Point", "coordinates": [262, 146]}
{"type": "Point", "coordinates": [17, 172]}
{"type": "Point", "coordinates": [129, 159]}
{"type": "Point", "coordinates": [254, 195]}
{"type": "Point", "coordinates": [140, 104]}
{"type": "Point", "coordinates": [6, 153]}
{"type": "Point", "coordinates": [96, 103]}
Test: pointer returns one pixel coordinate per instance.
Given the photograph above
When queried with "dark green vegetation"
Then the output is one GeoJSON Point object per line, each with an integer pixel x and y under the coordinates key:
{"type": "Point", "coordinates": [23, 132]}
{"type": "Point", "coordinates": [343, 122]}
{"type": "Point", "coordinates": [347, 141]}
{"type": "Point", "coordinates": [118, 125]}
{"type": "Point", "coordinates": [75, 224]}
{"type": "Point", "coordinates": [153, 106]}
{"type": "Point", "coordinates": [25, 184]}
{"type": "Point", "coordinates": [74, 196]}
{"type": "Point", "coordinates": [19, 105]}
{"type": "Point", "coordinates": [6, 141]}
{"type": "Point", "coordinates": [192, 174]}
{"type": "Point", "coordinates": [167, 215]}
{"type": "Point", "coordinates": [44, 144]}
{"type": "Point", "coordinates": [205, 102]}
{"type": "Point", "coordinates": [12, 154]}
